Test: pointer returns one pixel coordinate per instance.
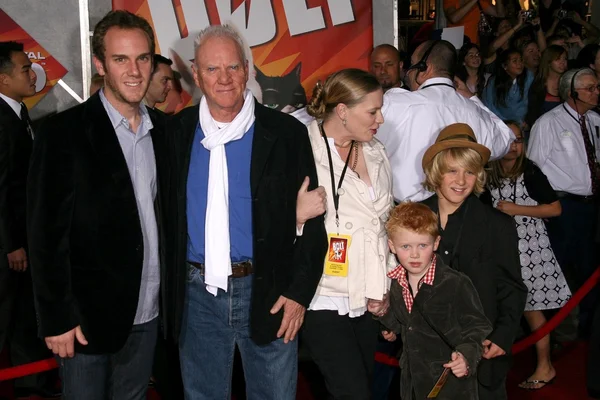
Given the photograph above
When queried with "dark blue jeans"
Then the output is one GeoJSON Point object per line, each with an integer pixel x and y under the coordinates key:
{"type": "Point", "coordinates": [211, 328]}
{"type": "Point", "coordinates": [120, 376]}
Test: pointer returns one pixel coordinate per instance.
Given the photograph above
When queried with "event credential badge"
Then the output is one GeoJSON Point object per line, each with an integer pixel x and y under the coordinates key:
{"type": "Point", "coordinates": [336, 263]}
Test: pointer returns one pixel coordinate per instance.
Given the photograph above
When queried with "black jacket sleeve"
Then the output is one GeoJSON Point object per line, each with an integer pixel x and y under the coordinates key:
{"type": "Point", "coordinates": [50, 194]}
{"type": "Point", "coordinates": [537, 184]}
{"type": "Point", "coordinates": [474, 325]}
{"type": "Point", "coordinates": [310, 248]}
{"type": "Point", "coordinates": [390, 320]}
{"type": "Point", "coordinates": [511, 292]}
{"type": "Point", "coordinates": [8, 241]}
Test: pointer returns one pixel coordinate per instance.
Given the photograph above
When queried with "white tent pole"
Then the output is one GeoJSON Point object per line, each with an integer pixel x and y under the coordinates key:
{"type": "Point", "coordinates": [395, 17]}
{"type": "Point", "coordinates": [86, 53]}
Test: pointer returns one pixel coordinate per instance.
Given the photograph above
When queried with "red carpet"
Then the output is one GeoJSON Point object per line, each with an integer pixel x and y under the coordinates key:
{"type": "Point", "coordinates": [568, 385]}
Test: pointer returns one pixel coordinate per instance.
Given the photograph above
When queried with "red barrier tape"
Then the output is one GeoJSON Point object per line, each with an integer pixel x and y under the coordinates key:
{"type": "Point", "coordinates": [27, 369]}
{"type": "Point", "coordinates": [386, 359]}
{"type": "Point", "coordinates": [537, 335]}
{"type": "Point", "coordinates": [559, 316]}
{"type": "Point", "coordinates": [46, 365]}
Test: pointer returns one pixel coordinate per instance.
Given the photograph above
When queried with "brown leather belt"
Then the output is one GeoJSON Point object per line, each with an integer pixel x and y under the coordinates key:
{"type": "Point", "coordinates": [238, 270]}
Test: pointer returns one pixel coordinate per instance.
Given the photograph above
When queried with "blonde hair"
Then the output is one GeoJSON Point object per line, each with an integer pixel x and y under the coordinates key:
{"type": "Point", "coordinates": [348, 86]}
{"type": "Point", "coordinates": [414, 217]}
{"type": "Point", "coordinates": [465, 157]}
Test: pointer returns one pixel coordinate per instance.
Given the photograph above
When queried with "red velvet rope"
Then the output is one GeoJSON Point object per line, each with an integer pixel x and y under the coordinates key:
{"type": "Point", "coordinates": [550, 325]}
{"type": "Point", "coordinates": [27, 369]}
{"type": "Point", "coordinates": [46, 365]}
{"type": "Point", "coordinates": [386, 359]}
{"type": "Point", "coordinates": [537, 335]}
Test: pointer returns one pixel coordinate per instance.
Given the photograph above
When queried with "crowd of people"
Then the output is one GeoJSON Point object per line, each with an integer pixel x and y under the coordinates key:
{"type": "Point", "coordinates": [431, 202]}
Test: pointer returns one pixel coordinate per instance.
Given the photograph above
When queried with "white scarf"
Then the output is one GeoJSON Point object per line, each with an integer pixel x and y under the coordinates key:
{"type": "Point", "coordinates": [217, 259]}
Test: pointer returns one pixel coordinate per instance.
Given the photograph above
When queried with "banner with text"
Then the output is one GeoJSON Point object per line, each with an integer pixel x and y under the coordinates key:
{"type": "Point", "coordinates": [46, 67]}
{"type": "Point", "coordinates": [293, 43]}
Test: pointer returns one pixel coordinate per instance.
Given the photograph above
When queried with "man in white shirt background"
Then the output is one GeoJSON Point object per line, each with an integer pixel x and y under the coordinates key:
{"type": "Point", "coordinates": [564, 144]}
{"type": "Point", "coordinates": [414, 119]}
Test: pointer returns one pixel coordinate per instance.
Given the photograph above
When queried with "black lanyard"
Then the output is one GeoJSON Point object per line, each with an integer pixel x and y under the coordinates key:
{"type": "Point", "coordinates": [437, 84]}
{"type": "Point", "coordinates": [336, 196]}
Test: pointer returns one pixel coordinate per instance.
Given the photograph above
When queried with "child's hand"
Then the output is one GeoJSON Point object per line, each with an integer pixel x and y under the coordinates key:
{"type": "Point", "coordinates": [458, 365]}
{"type": "Point", "coordinates": [378, 307]}
{"type": "Point", "coordinates": [389, 336]}
{"type": "Point", "coordinates": [507, 207]}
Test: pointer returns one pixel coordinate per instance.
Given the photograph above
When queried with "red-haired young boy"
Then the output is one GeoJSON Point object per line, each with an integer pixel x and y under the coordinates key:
{"type": "Point", "coordinates": [435, 309]}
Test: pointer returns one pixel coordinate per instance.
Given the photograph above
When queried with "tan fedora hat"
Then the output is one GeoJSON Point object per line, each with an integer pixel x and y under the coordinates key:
{"type": "Point", "coordinates": [453, 136]}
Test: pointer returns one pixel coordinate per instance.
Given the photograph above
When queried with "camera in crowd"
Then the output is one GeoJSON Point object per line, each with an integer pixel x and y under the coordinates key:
{"type": "Point", "coordinates": [529, 15]}
{"type": "Point", "coordinates": [562, 14]}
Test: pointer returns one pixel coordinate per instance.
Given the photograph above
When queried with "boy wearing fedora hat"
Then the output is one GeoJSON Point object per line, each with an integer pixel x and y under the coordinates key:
{"type": "Point", "coordinates": [479, 241]}
{"type": "Point", "coordinates": [435, 308]}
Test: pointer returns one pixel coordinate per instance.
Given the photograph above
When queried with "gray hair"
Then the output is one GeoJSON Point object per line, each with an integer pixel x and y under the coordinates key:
{"type": "Point", "coordinates": [564, 85]}
{"type": "Point", "coordinates": [220, 31]}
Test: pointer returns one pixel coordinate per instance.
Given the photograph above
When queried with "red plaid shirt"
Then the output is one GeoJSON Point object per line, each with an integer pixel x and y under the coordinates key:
{"type": "Point", "coordinates": [400, 274]}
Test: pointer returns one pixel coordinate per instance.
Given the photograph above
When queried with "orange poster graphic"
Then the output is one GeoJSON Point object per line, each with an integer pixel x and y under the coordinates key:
{"type": "Point", "coordinates": [291, 44]}
{"type": "Point", "coordinates": [46, 67]}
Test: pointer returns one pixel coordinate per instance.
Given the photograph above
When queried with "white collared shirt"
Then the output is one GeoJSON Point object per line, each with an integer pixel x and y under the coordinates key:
{"type": "Point", "coordinates": [413, 121]}
{"type": "Point", "coordinates": [15, 105]}
{"type": "Point", "coordinates": [556, 146]}
{"type": "Point", "coordinates": [139, 155]}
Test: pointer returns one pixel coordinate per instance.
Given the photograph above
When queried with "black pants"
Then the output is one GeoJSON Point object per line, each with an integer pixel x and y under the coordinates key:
{"type": "Point", "coordinates": [166, 371]}
{"type": "Point", "coordinates": [572, 238]}
{"type": "Point", "coordinates": [593, 367]}
{"type": "Point", "coordinates": [497, 393]}
{"type": "Point", "coordinates": [18, 326]}
{"type": "Point", "coordinates": [344, 350]}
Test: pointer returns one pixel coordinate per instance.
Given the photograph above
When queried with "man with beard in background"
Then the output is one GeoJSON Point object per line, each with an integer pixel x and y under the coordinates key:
{"type": "Point", "coordinates": [387, 65]}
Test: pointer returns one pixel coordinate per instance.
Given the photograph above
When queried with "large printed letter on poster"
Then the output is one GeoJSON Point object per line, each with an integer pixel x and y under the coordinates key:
{"type": "Point", "coordinates": [291, 43]}
{"type": "Point", "coordinates": [46, 67]}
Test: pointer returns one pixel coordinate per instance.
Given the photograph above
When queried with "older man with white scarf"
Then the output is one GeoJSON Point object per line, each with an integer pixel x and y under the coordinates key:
{"type": "Point", "coordinates": [242, 277]}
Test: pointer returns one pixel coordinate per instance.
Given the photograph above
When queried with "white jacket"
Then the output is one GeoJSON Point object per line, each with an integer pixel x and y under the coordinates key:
{"type": "Point", "coordinates": [360, 217]}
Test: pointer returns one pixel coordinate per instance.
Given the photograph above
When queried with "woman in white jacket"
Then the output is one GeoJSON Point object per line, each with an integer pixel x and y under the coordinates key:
{"type": "Point", "coordinates": [353, 168]}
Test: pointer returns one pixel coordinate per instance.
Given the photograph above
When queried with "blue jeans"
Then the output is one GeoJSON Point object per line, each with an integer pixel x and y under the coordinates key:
{"type": "Point", "coordinates": [120, 376]}
{"type": "Point", "coordinates": [211, 328]}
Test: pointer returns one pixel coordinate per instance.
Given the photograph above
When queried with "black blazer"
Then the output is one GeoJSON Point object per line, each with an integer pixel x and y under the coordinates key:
{"type": "Point", "coordinates": [488, 254]}
{"type": "Point", "coordinates": [15, 151]}
{"type": "Point", "coordinates": [85, 238]}
{"type": "Point", "coordinates": [281, 158]}
{"type": "Point", "coordinates": [453, 307]}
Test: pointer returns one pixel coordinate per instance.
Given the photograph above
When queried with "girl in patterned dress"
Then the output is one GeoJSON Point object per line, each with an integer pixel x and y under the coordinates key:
{"type": "Point", "coordinates": [518, 188]}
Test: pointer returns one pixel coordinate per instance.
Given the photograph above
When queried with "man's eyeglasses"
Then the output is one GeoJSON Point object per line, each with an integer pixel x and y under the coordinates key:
{"type": "Point", "coordinates": [590, 89]}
